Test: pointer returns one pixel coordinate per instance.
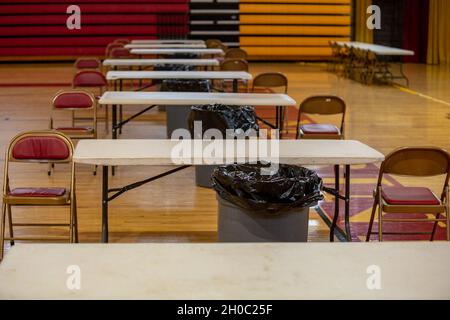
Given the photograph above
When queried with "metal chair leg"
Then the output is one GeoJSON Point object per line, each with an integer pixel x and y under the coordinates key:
{"type": "Point", "coordinates": [10, 222]}
{"type": "Point", "coordinates": [2, 231]}
{"type": "Point", "coordinates": [380, 217]}
{"type": "Point", "coordinates": [372, 218]}
{"type": "Point", "coordinates": [75, 219]}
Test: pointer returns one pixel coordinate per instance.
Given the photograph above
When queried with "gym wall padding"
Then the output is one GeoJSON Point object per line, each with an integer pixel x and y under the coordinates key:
{"type": "Point", "coordinates": [32, 28]}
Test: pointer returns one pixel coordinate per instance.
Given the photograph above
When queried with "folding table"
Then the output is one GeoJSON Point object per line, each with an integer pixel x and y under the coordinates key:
{"type": "Point", "coordinates": [152, 99]}
{"type": "Point", "coordinates": [152, 62]}
{"type": "Point", "coordinates": [110, 153]}
{"type": "Point", "coordinates": [171, 41]}
{"type": "Point", "coordinates": [382, 51]}
{"type": "Point", "coordinates": [166, 46]}
{"type": "Point", "coordinates": [188, 75]}
{"type": "Point", "coordinates": [301, 271]}
{"type": "Point", "coordinates": [176, 51]}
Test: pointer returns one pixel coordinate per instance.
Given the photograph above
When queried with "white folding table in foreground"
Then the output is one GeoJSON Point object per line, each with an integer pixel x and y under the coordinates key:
{"type": "Point", "coordinates": [110, 153]}
{"type": "Point", "coordinates": [213, 271]}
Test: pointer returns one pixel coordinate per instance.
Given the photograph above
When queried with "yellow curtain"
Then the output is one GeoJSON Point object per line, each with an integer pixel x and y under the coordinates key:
{"type": "Point", "coordinates": [439, 32]}
{"type": "Point", "coordinates": [362, 33]}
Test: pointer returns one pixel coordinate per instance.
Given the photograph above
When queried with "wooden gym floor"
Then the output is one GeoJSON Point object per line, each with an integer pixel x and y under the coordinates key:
{"type": "Point", "coordinates": [172, 209]}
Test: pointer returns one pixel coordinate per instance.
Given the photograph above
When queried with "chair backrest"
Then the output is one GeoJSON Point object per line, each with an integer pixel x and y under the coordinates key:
{"type": "Point", "coordinates": [122, 41]}
{"type": "Point", "coordinates": [40, 146]}
{"type": "Point", "coordinates": [73, 100]}
{"type": "Point", "coordinates": [270, 80]}
{"type": "Point", "coordinates": [210, 42]}
{"type": "Point", "coordinates": [216, 45]}
{"type": "Point", "coordinates": [120, 53]}
{"type": "Point", "coordinates": [323, 105]}
{"type": "Point", "coordinates": [90, 79]}
{"type": "Point", "coordinates": [234, 65]}
{"type": "Point", "coordinates": [236, 53]}
{"type": "Point", "coordinates": [87, 63]}
{"type": "Point", "coordinates": [110, 47]}
{"type": "Point", "coordinates": [417, 162]}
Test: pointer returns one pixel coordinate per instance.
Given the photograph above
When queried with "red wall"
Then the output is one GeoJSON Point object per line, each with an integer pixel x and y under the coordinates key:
{"type": "Point", "coordinates": [38, 27]}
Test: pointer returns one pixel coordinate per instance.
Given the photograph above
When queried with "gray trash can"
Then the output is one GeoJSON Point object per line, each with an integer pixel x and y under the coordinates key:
{"type": "Point", "coordinates": [239, 225]}
{"type": "Point", "coordinates": [255, 207]}
{"type": "Point", "coordinates": [219, 117]}
{"type": "Point", "coordinates": [177, 116]}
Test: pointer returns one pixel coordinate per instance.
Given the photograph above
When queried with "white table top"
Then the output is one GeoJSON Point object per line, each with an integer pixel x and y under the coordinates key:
{"type": "Point", "coordinates": [195, 98]}
{"type": "Point", "coordinates": [152, 62]}
{"type": "Point", "coordinates": [227, 271]}
{"type": "Point", "coordinates": [175, 51]}
{"type": "Point", "coordinates": [378, 49]}
{"type": "Point", "coordinates": [166, 152]}
{"type": "Point", "coordinates": [166, 46]}
{"type": "Point", "coordinates": [118, 75]}
{"type": "Point", "coordinates": [157, 41]}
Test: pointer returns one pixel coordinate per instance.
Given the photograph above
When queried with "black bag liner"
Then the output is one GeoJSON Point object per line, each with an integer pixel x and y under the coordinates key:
{"type": "Point", "coordinates": [173, 67]}
{"type": "Point", "coordinates": [289, 188]}
{"type": "Point", "coordinates": [185, 85]}
{"type": "Point", "coordinates": [223, 117]}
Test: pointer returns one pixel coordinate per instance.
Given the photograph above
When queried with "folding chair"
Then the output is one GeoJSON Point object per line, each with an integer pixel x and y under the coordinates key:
{"type": "Point", "coordinates": [234, 65]}
{"type": "Point", "coordinates": [92, 80]}
{"type": "Point", "coordinates": [412, 162]}
{"type": "Point", "coordinates": [75, 100]}
{"type": "Point", "coordinates": [273, 81]}
{"type": "Point", "coordinates": [321, 105]}
{"type": "Point", "coordinates": [38, 147]}
{"type": "Point", "coordinates": [236, 53]}
{"type": "Point", "coordinates": [88, 63]}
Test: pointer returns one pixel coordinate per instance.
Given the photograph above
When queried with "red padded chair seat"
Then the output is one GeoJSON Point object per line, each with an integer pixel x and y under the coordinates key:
{"type": "Point", "coordinates": [73, 100]}
{"type": "Point", "coordinates": [319, 129]}
{"type": "Point", "coordinates": [38, 192]}
{"type": "Point", "coordinates": [40, 148]}
{"type": "Point", "coordinates": [87, 64]}
{"type": "Point", "coordinates": [409, 196]}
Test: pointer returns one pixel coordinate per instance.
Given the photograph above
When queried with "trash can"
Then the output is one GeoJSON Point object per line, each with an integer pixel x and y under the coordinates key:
{"type": "Point", "coordinates": [177, 115]}
{"type": "Point", "coordinates": [257, 208]}
{"type": "Point", "coordinates": [220, 117]}
{"type": "Point", "coordinates": [170, 67]}
{"type": "Point", "coordinates": [182, 56]}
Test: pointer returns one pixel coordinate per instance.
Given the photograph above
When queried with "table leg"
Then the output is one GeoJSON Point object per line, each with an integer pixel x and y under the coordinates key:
{"type": "Point", "coordinates": [336, 202]}
{"type": "Point", "coordinates": [114, 130]}
{"type": "Point", "coordinates": [120, 107]}
{"type": "Point", "coordinates": [347, 204]}
{"type": "Point", "coordinates": [235, 85]}
{"type": "Point", "coordinates": [105, 205]}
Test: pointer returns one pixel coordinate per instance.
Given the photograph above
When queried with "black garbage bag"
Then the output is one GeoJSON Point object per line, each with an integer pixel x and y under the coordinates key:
{"type": "Point", "coordinates": [246, 187]}
{"type": "Point", "coordinates": [223, 117]}
{"type": "Point", "coordinates": [173, 67]}
{"type": "Point", "coordinates": [183, 56]}
{"type": "Point", "coordinates": [183, 85]}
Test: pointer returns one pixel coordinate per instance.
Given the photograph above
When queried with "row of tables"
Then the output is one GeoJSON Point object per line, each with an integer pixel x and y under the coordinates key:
{"type": "Point", "coordinates": [112, 153]}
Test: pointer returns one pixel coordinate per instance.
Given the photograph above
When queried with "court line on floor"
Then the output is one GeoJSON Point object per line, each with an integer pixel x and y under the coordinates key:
{"type": "Point", "coordinates": [421, 95]}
